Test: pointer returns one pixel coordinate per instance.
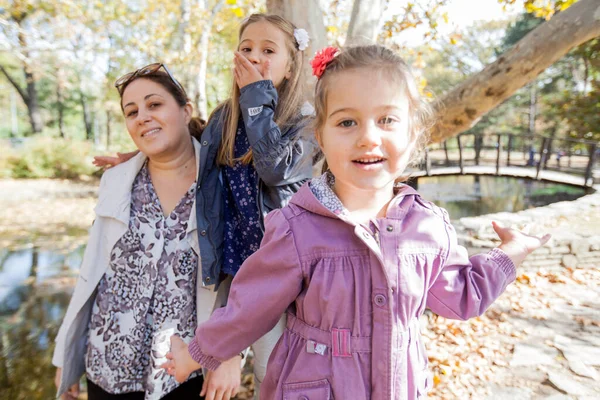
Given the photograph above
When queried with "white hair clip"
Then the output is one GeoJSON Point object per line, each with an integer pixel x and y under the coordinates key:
{"type": "Point", "coordinates": [302, 38]}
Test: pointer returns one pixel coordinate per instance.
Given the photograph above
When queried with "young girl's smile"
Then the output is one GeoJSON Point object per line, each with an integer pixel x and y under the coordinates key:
{"type": "Point", "coordinates": [366, 138]}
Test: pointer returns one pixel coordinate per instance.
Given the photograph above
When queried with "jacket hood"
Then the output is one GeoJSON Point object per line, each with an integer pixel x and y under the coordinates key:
{"type": "Point", "coordinates": [397, 209]}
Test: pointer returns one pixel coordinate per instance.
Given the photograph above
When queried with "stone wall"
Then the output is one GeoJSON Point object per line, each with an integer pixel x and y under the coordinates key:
{"type": "Point", "coordinates": [574, 225]}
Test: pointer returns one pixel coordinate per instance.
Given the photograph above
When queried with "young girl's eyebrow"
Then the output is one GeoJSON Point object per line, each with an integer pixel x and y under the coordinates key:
{"type": "Point", "coordinates": [263, 40]}
{"type": "Point", "coordinates": [339, 110]}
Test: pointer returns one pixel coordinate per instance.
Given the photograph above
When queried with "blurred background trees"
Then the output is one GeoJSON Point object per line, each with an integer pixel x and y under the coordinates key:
{"type": "Point", "coordinates": [59, 59]}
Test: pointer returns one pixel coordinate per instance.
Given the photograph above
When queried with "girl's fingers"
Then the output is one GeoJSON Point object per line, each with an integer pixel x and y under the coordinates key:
{"type": "Point", "coordinates": [544, 239]}
{"type": "Point", "coordinates": [204, 387]}
{"type": "Point", "coordinates": [102, 161]}
{"type": "Point", "coordinates": [267, 71]}
{"type": "Point", "coordinates": [243, 62]}
{"type": "Point", "coordinates": [210, 395]}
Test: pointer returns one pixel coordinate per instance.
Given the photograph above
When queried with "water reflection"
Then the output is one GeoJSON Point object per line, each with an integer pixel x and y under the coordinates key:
{"type": "Point", "coordinates": [32, 304]}
{"type": "Point", "coordinates": [472, 195]}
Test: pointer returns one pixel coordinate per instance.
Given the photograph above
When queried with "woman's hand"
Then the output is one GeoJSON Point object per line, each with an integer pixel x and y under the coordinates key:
{"type": "Point", "coordinates": [107, 162]}
{"type": "Point", "coordinates": [224, 382]}
{"type": "Point", "coordinates": [246, 73]}
{"type": "Point", "coordinates": [180, 364]}
{"type": "Point", "coordinates": [516, 244]}
{"type": "Point", "coordinates": [72, 392]}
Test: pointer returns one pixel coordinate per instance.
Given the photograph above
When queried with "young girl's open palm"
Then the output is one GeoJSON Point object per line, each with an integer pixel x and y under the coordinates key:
{"type": "Point", "coordinates": [517, 244]}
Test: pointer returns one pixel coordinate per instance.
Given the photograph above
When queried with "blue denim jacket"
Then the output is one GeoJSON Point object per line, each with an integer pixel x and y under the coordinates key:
{"type": "Point", "coordinates": [282, 158]}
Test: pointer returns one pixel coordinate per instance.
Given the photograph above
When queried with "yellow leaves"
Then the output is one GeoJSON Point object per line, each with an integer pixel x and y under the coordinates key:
{"type": "Point", "coordinates": [454, 38]}
{"type": "Point", "coordinates": [436, 379]}
{"type": "Point", "coordinates": [238, 12]}
{"type": "Point", "coordinates": [543, 8]}
{"type": "Point", "coordinates": [232, 2]}
{"type": "Point", "coordinates": [524, 278]}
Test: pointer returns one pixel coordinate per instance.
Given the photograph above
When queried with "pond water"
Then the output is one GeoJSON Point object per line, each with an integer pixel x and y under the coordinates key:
{"type": "Point", "coordinates": [32, 304]}
{"type": "Point", "coordinates": [31, 309]}
{"type": "Point", "coordinates": [471, 195]}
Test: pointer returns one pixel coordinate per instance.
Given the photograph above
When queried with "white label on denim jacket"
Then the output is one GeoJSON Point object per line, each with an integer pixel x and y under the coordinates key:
{"type": "Point", "coordinates": [255, 110]}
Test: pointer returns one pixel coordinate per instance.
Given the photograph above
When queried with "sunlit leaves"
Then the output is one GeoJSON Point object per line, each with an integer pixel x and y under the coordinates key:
{"type": "Point", "coordinates": [542, 8]}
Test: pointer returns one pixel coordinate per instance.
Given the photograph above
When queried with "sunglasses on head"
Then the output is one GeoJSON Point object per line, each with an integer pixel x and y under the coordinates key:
{"type": "Point", "coordinates": [147, 70]}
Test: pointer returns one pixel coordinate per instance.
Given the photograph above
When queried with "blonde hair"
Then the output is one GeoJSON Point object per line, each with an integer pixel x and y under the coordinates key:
{"type": "Point", "coordinates": [378, 59]}
{"type": "Point", "coordinates": [290, 92]}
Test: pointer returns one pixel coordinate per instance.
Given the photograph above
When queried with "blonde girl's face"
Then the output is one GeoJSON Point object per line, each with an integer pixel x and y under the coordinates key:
{"type": "Point", "coordinates": [156, 123]}
{"type": "Point", "coordinates": [365, 137]}
{"type": "Point", "coordinates": [262, 41]}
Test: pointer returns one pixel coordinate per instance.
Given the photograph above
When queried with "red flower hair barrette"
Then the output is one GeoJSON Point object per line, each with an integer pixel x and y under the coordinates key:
{"type": "Point", "coordinates": [322, 60]}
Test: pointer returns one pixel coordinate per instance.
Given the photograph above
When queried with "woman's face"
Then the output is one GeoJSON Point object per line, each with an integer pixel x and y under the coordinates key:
{"type": "Point", "coordinates": [156, 123]}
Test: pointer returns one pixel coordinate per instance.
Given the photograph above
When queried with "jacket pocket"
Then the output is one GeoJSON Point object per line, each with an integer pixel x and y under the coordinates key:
{"type": "Point", "coordinates": [313, 390]}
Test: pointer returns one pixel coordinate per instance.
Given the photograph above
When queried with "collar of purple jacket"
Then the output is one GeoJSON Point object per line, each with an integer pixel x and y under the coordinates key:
{"type": "Point", "coordinates": [397, 209]}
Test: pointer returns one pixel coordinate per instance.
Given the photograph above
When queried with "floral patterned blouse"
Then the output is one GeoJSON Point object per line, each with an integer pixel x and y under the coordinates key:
{"type": "Point", "coordinates": [242, 216]}
{"type": "Point", "coordinates": [147, 294]}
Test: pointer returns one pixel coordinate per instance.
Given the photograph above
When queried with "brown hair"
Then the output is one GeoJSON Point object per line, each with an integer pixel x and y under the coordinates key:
{"type": "Point", "coordinates": [290, 92]}
{"type": "Point", "coordinates": [378, 59]}
{"type": "Point", "coordinates": [196, 125]}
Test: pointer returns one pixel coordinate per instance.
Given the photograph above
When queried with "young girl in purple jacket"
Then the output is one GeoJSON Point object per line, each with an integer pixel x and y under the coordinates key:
{"type": "Point", "coordinates": [356, 256]}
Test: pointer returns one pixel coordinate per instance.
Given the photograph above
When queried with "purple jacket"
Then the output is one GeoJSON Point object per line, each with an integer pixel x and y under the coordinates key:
{"type": "Point", "coordinates": [353, 299]}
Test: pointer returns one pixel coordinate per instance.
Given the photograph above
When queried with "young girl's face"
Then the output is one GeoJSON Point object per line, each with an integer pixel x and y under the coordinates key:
{"type": "Point", "coordinates": [262, 41]}
{"type": "Point", "coordinates": [365, 136]}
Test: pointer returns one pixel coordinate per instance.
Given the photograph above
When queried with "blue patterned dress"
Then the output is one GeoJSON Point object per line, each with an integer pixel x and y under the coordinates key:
{"type": "Point", "coordinates": [242, 216]}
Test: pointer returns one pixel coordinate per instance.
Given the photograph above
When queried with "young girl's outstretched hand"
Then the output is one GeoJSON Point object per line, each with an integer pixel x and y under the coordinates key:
{"type": "Point", "coordinates": [107, 162]}
{"type": "Point", "coordinates": [516, 244]}
{"type": "Point", "coordinates": [246, 73]}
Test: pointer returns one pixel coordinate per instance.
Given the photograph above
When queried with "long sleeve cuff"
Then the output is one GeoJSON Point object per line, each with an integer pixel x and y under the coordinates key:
{"type": "Point", "coordinates": [504, 263]}
{"type": "Point", "coordinates": [206, 361]}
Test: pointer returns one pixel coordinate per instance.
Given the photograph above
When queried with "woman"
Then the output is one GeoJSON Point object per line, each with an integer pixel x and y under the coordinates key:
{"type": "Point", "coordinates": [139, 281]}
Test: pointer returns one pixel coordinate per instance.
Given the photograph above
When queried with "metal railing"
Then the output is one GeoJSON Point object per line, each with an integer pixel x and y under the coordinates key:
{"type": "Point", "coordinates": [571, 156]}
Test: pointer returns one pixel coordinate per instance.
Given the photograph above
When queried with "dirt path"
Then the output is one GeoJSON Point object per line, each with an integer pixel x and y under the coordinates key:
{"type": "Point", "coordinates": [52, 213]}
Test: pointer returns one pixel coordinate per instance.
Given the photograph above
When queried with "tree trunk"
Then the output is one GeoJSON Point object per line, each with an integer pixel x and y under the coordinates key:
{"type": "Point", "coordinates": [29, 97]}
{"type": "Point", "coordinates": [108, 119]}
{"type": "Point", "coordinates": [306, 14]}
{"type": "Point", "coordinates": [365, 21]}
{"type": "Point", "coordinates": [87, 119]}
{"type": "Point", "coordinates": [203, 44]}
{"type": "Point", "coordinates": [60, 104]}
{"type": "Point", "coordinates": [532, 107]}
{"type": "Point", "coordinates": [461, 108]}
{"type": "Point", "coordinates": [31, 100]}
{"type": "Point", "coordinates": [202, 96]}
{"type": "Point", "coordinates": [33, 108]}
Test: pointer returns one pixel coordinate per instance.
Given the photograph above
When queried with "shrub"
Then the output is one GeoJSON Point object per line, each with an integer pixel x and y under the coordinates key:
{"type": "Point", "coordinates": [47, 158]}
